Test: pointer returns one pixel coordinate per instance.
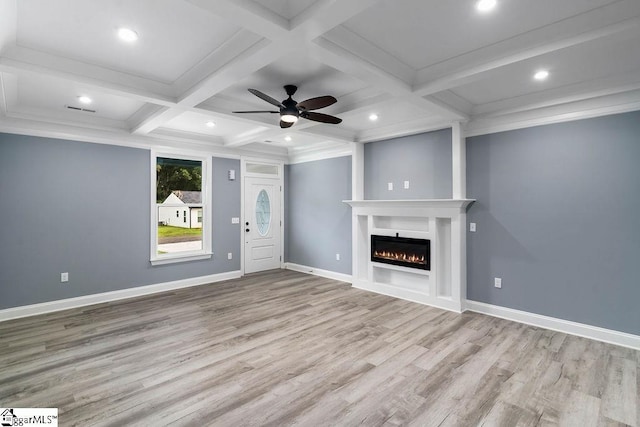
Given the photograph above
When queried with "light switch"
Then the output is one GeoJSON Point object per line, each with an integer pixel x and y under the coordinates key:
{"type": "Point", "coordinates": [232, 174]}
{"type": "Point", "coordinates": [235, 220]}
{"type": "Point", "coordinates": [406, 185]}
{"type": "Point", "coordinates": [472, 227]}
{"type": "Point", "coordinates": [390, 186]}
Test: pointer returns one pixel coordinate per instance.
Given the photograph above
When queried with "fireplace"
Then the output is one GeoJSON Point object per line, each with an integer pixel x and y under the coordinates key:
{"type": "Point", "coordinates": [403, 251]}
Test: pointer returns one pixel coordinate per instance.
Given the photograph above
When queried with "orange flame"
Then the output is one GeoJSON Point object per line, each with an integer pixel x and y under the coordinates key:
{"type": "Point", "coordinates": [400, 256]}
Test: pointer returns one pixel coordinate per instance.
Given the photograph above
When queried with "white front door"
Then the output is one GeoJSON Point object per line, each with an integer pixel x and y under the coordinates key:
{"type": "Point", "coordinates": [262, 224]}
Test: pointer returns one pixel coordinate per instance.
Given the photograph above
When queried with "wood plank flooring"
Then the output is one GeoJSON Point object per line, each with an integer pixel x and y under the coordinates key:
{"type": "Point", "coordinates": [284, 348]}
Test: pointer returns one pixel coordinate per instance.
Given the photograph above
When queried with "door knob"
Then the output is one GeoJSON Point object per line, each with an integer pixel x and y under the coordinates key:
{"type": "Point", "coordinates": [246, 223]}
{"type": "Point", "coordinates": [247, 230]}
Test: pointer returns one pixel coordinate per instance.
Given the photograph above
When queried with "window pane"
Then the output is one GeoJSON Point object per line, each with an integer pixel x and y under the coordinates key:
{"type": "Point", "coordinates": [262, 169]}
{"type": "Point", "coordinates": [263, 213]}
{"type": "Point", "coordinates": [179, 205]}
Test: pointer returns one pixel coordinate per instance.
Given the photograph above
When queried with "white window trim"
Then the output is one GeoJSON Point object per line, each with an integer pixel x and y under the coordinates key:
{"type": "Point", "coordinates": [207, 217]}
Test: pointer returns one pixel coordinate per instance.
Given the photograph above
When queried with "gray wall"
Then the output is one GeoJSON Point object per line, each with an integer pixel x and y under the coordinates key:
{"type": "Point", "coordinates": [318, 224]}
{"type": "Point", "coordinates": [558, 220]}
{"type": "Point", "coordinates": [424, 160]}
{"type": "Point", "coordinates": [84, 208]}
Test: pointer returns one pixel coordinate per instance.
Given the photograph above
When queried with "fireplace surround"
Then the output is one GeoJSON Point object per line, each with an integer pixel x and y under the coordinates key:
{"type": "Point", "coordinates": [439, 221]}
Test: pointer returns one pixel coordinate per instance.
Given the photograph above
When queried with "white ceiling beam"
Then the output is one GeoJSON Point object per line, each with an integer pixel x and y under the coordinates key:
{"type": "Point", "coordinates": [397, 130]}
{"type": "Point", "coordinates": [451, 79]}
{"type": "Point", "coordinates": [156, 118]}
{"type": "Point", "coordinates": [347, 62]}
{"type": "Point", "coordinates": [21, 60]}
{"type": "Point", "coordinates": [243, 65]}
{"type": "Point", "coordinates": [239, 42]}
{"type": "Point", "coordinates": [583, 109]}
{"type": "Point", "coordinates": [324, 15]}
{"type": "Point", "coordinates": [352, 42]}
{"type": "Point", "coordinates": [331, 132]}
{"type": "Point", "coordinates": [249, 14]}
{"type": "Point", "coordinates": [562, 95]}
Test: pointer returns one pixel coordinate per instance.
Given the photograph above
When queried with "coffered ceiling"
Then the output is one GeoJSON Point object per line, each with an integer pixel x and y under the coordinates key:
{"type": "Point", "coordinates": [417, 65]}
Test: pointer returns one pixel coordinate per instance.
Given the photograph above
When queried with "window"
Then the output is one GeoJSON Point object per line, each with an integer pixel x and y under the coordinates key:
{"type": "Point", "coordinates": [180, 186]}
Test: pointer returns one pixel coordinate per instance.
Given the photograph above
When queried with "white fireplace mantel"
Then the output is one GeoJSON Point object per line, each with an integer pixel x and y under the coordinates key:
{"type": "Point", "coordinates": [412, 204]}
{"type": "Point", "coordinates": [442, 221]}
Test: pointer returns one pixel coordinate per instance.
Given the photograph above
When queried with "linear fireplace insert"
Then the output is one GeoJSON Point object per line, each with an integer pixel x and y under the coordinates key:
{"type": "Point", "coordinates": [403, 251]}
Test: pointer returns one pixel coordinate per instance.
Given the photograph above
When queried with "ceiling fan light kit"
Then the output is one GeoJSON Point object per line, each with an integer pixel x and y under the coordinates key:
{"type": "Point", "coordinates": [290, 110]}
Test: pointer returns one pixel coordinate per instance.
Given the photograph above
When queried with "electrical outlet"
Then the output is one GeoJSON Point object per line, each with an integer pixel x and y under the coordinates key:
{"type": "Point", "coordinates": [472, 227]}
{"type": "Point", "coordinates": [337, 257]}
{"type": "Point", "coordinates": [406, 185]}
{"type": "Point", "coordinates": [64, 277]}
{"type": "Point", "coordinates": [230, 255]}
{"type": "Point", "coordinates": [390, 186]}
{"type": "Point", "coordinates": [497, 282]}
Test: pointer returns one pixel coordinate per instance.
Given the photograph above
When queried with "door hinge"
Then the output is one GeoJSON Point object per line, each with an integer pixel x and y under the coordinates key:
{"type": "Point", "coordinates": [280, 257]}
{"type": "Point", "coordinates": [281, 188]}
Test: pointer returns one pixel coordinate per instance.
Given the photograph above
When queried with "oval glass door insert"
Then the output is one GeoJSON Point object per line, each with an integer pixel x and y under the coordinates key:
{"type": "Point", "coordinates": [263, 213]}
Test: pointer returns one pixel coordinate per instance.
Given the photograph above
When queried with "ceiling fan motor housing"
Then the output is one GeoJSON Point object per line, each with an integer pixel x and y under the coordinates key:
{"type": "Point", "coordinates": [289, 108]}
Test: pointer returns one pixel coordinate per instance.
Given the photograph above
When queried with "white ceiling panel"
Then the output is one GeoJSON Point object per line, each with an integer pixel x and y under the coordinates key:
{"type": "Point", "coordinates": [173, 35]}
{"type": "Point", "coordinates": [55, 94]}
{"type": "Point", "coordinates": [602, 58]}
{"type": "Point", "coordinates": [389, 113]}
{"type": "Point", "coordinates": [224, 128]}
{"type": "Point", "coordinates": [288, 9]}
{"type": "Point", "coordinates": [312, 78]}
{"type": "Point", "coordinates": [423, 33]}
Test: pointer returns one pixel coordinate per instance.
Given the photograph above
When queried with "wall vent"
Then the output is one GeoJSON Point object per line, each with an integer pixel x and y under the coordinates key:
{"type": "Point", "coordinates": [86, 110]}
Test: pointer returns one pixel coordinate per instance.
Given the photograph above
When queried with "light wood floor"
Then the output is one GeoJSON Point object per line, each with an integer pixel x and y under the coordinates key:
{"type": "Point", "coordinates": [283, 348]}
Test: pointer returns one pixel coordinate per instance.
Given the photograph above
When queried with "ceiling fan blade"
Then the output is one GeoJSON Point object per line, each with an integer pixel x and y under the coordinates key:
{"type": "Point", "coordinates": [316, 103]}
{"type": "Point", "coordinates": [322, 118]}
{"type": "Point", "coordinates": [245, 112]}
{"type": "Point", "coordinates": [266, 97]}
{"type": "Point", "coordinates": [285, 125]}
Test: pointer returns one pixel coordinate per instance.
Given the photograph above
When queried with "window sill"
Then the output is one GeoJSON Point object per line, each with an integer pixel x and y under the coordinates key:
{"type": "Point", "coordinates": [181, 258]}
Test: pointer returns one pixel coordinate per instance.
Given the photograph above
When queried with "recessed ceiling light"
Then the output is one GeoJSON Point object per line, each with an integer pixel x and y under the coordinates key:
{"type": "Point", "coordinates": [373, 117]}
{"type": "Point", "coordinates": [287, 138]}
{"type": "Point", "coordinates": [486, 5]}
{"type": "Point", "coordinates": [210, 124]}
{"type": "Point", "coordinates": [541, 75]}
{"type": "Point", "coordinates": [127, 35]}
{"type": "Point", "coordinates": [84, 100]}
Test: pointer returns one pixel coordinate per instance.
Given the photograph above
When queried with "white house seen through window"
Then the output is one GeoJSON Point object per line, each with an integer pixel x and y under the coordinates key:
{"type": "Point", "coordinates": [180, 208]}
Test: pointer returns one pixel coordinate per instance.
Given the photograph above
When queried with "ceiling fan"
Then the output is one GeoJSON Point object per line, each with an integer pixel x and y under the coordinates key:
{"type": "Point", "coordinates": [290, 110]}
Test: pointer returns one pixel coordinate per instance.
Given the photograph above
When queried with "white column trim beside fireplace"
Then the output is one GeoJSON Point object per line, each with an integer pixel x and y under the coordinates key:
{"type": "Point", "coordinates": [442, 221]}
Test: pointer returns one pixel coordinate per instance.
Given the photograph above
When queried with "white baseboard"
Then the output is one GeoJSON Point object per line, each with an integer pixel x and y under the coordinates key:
{"type": "Point", "coordinates": [580, 329]}
{"type": "Point", "coordinates": [85, 300]}
{"type": "Point", "coordinates": [318, 272]}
